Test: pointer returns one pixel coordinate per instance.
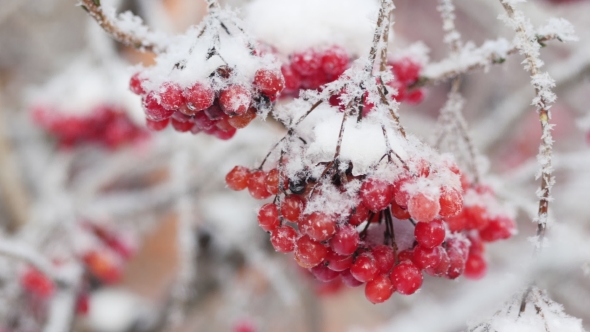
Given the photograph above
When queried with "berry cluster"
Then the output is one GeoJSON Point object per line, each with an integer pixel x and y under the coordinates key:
{"type": "Point", "coordinates": [313, 68]}
{"type": "Point", "coordinates": [107, 125]}
{"type": "Point", "coordinates": [406, 73]}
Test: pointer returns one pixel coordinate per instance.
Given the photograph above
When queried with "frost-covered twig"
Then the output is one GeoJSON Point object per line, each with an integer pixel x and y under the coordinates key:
{"type": "Point", "coordinates": [63, 304]}
{"type": "Point", "coordinates": [20, 251]}
{"type": "Point", "coordinates": [126, 28]}
{"type": "Point", "coordinates": [526, 42]}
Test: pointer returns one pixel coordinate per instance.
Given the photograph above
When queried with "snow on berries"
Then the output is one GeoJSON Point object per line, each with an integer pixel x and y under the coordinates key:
{"type": "Point", "coordinates": [212, 79]}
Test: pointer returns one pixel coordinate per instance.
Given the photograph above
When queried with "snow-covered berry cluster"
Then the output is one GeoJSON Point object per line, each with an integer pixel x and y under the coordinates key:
{"type": "Point", "coordinates": [406, 73]}
{"type": "Point", "coordinates": [211, 79]}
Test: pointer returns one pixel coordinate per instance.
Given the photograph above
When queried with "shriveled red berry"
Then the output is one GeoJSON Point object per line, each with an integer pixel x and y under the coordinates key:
{"type": "Point", "coordinates": [323, 273]}
{"type": "Point", "coordinates": [451, 202]}
{"type": "Point", "coordinates": [272, 181]}
{"type": "Point", "coordinates": [334, 61]}
{"type": "Point", "coordinates": [268, 81]}
{"type": "Point", "coordinates": [242, 121]}
{"type": "Point", "coordinates": [338, 262]}
{"type": "Point", "coordinates": [359, 215]}
{"type": "Point", "coordinates": [430, 234]}
{"type": "Point", "coordinates": [309, 253]}
{"type": "Point", "coordinates": [345, 241]}
{"type": "Point", "coordinates": [235, 100]}
{"type": "Point", "coordinates": [199, 96]}
{"type": "Point", "coordinates": [398, 212]}
{"type": "Point", "coordinates": [171, 96]}
{"type": "Point", "coordinates": [257, 185]}
{"type": "Point", "coordinates": [379, 289]}
{"type": "Point", "coordinates": [349, 280]}
{"type": "Point", "coordinates": [153, 110]}
{"type": "Point", "coordinates": [156, 125]}
{"type": "Point", "coordinates": [268, 217]}
{"type": "Point", "coordinates": [376, 194]}
{"type": "Point", "coordinates": [135, 84]}
{"type": "Point", "coordinates": [499, 228]}
{"type": "Point", "coordinates": [237, 178]}
{"type": "Point", "coordinates": [385, 258]}
{"type": "Point", "coordinates": [423, 207]}
{"type": "Point", "coordinates": [427, 257]}
{"type": "Point", "coordinates": [475, 267]}
{"type": "Point", "coordinates": [364, 267]}
{"type": "Point", "coordinates": [306, 63]}
{"type": "Point", "coordinates": [292, 207]}
{"type": "Point", "coordinates": [320, 226]}
{"type": "Point", "coordinates": [283, 238]}
{"type": "Point", "coordinates": [406, 278]}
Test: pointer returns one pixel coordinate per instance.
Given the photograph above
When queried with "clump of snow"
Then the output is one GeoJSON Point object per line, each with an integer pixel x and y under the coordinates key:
{"type": "Point", "coordinates": [561, 28]}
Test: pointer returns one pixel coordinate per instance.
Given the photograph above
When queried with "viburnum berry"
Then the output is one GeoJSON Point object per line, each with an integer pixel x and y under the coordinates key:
{"type": "Point", "coordinates": [241, 121]}
{"type": "Point", "coordinates": [401, 195]}
{"type": "Point", "coordinates": [283, 238]}
{"type": "Point", "coordinates": [153, 110]}
{"type": "Point", "coordinates": [156, 125]}
{"type": "Point", "coordinates": [334, 61]}
{"type": "Point", "coordinates": [405, 255]}
{"type": "Point", "coordinates": [345, 241]}
{"type": "Point", "coordinates": [225, 134]}
{"type": "Point", "coordinates": [499, 228]}
{"type": "Point", "coordinates": [322, 273]}
{"type": "Point", "coordinates": [423, 207]}
{"type": "Point", "coordinates": [430, 234]}
{"type": "Point", "coordinates": [257, 185]}
{"type": "Point", "coordinates": [364, 267]}
{"type": "Point", "coordinates": [379, 289]}
{"type": "Point", "coordinates": [376, 194]}
{"type": "Point", "coordinates": [475, 267]}
{"type": "Point", "coordinates": [359, 215]}
{"type": "Point", "coordinates": [414, 96]}
{"type": "Point", "coordinates": [406, 70]}
{"type": "Point", "coordinates": [456, 262]}
{"type": "Point", "coordinates": [427, 257]}
{"type": "Point", "coordinates": [272, 181]}
{"type": "Point", "coordinates": [83, 303]}
{"type": "Point", "coordinates": [237, 178]}
{"type": "Point", "coordinates": [451, 202]}
{"type": "Point", "coordinates": [269, 82]}
{"type": "Point", "coordinates": [181, 126]}
{"type": "Point", "coordinates": [135, 85]}
{"type": "Point", "coordinates": [292, 207]}
{"type": "Point", "coordinates": [214, 112]}
{"type": "Point", "coordinates": [349, 280]}
{"type": "Point", "coordinates": [268, 217]}
{"type": "Point", "coordinates": [384, 257]}
{"type": "Point", "coordinates": [306, 63]}
{"type": "Point", "coordinates": [103, 266]}
{"type": "Point", "coordinates": [292, 78]}
{"type": "Point", "coordinates": [203, 122]}
{"type": "Point", "coordinates": [476, 217]}
{"type": "Point", "coordinates": [442, 268]}
{"type": "Point", "coordinates": [198, 97]}
{"type": "Point", "coordinates": [398, 212]}
{"type": "Point", "coordinates": [338, 262]}
{"type": "Point", "coordinates": [406, 278]}
{"type": "Point", "coordinates": [235, 99]}
{"type": "Point", "coordinates": [37, 283]}
{"type": "Point", "coordinates": [171, 96]}
{"type": "Point", "coordinates": [457, 223]}
{"type": "Point", "coordinates": [319, 226]}
{"type": "Point", "coordinates": [309, 253]}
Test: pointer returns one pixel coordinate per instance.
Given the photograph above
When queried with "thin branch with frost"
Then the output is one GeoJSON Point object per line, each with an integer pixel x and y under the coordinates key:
{"type": "Point", "coordinates": [63, 304]}
{"type": "Point", "coordinates": [526, 42]}
{"type": "Point", "coordinates": [22, 252]}
{"type": "Point", "coordinates": [126, 28]}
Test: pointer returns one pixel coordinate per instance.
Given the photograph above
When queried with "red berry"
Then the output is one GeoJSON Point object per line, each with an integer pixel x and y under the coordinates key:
{"type": "Point", "coordinates": [171, 96]}
{"type": "Point", "coordinates": [198, 97]}
{"type": "Point", "coordinates": [37, 283]}
{"type": "Point", "coordinates": [241, 121]}
{"type": "Point", "coordinates": [103, 266]}
{"type": "Point", "coordinates": [237, 178]}
{"type": "Point", "coordinates": [322, 273]}
{"type": "Point", "coordinates": [82, 304]}
{"type": "Point", "coordinates": [225, 135]}
{"type": "Point", "coordinates": [376, 194]}
{"type": "Point", "coordinates": [423, 208]}
{"type": "Point", "coordinates": [415, 96]}
{"type": "Point", "coordinates": [427, 257]}
{"type": "Point", "coordinates": [306, 63]}
{"type": "Point", "coordinates": [405, 255]}
{"type": "Point", "coordinates": [457, 223]}
{"type": "Point", "coordinates": [379, 289]}
{"type": "Point", "coordinates": [202, 122]}
{"type": "Point", "coordinates": [334, 61]}
{"type": "Point", "coordinates": [156, 125]}
{"type": "Point", "coordinates": [181, 126]}
{"type": "Point", "coordinates": [430, 234]}
{"type": "Point", "coordinates": [214, 112]}
{"type": "Point", "coordinates": [442, 268]}
{"type": "Point", "coordinates": [451, 202]}
{"type": "Point", "coordinates": [400, 191]}
{"type": "Point", "coordinates": [292, 78]}
{"type": "Point", "coordinates": [235, 100]}
{"type": "Point", "coordinates": [338, 262]}
{"type": "Point", "coordinates": [309, 253]}
{"type": "Point", "coordinates": [268, 217]}
{"type": "Point", "coordinates": [406, 278]}
{"type": "Point", "coordinates": [135, 84]}
{"type": "Point", "coordinates": [475, 267]}
{"type": "Point", "coordinates": [456, 262]}
{"type": "Point", "coordinates": [499, 228]}
{"type": "Point", "coordinates": [272, 181]}
{"type": "Point", "coordinates": [476, 217]}
{"type": "Point", "coordinates": [269, 82]}
{"type": "Point", "coordinates": [283, 238]}
{"type": "Point", "coordinates": [153, 110]}
{"type": "Point", "coordinates": [398, 212]}
{"type": "Point", "coordinates": [364, 267]}
{"type": "Point", "coordinates": [345, 241]}
{"type": "Point", "coordinates": [349, 280]}
{"type": "Point", "coordinates": [359, 215]}
{"type": "Point", "coordinates": [476, 246]}
{"type": "Point", "coordinates": [406, 70]}
{"type": "Point", "coordinates": [292, 207]}
{"type": "Point", "coordinates": [257, 185]}
{"type": "Point", "coordinates": [385, 258]}
{"type": "Point", "coordinates": [319, 226]}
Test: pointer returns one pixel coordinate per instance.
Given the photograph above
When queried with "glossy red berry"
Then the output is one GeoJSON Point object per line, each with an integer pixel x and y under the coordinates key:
{"type": "Point", "coordinates": [406, 278]}
{"type": "Point", "coordinates": [235, 100]}
{"type": "Point", "coordinates": [451, 202]}
{"type": "Point", "coordinates": [338, 262]}
{"type": "Point", "coordinates": [135, 84]}
{"type": "Point", "coordinates": [268, 217]}
{"type": "Point", "coordinates": [237, 178]}
{"type": "Point", "coordinates": [272, 181]}
{"type": "Point", "coordinates": [442, 268]}
{"type": "Point", "coordinates": [359, 215]}
{"type": "Point", "coordinates": [425, 258]}
{"type": "Point", "coordinates": [283, 238]}
{"type": "Point", "coordinates": [292, 207]}
{"type": "Point", "coordinates": [405, 255]}
{"type": "Point", "coordinates": [153, 110]}
{"type": "Point", "coordinates": [242, 121]}
{"type": "Point", "coordinates": [376, 194]}
{"type": "Point", "coordinates": [475, 267]}
{"type": "Point", "coordinates": [309, 253]}
{"type": "Point", "coordinates": [322, 273]}
{"type": "Point", "coordinates": [257, 185]}
{"type": "Point", "coordinates": [379, 289]}
{"type": "Point", "coordinates": [430, 234]}
{"type": "Point", "coordinates": [156, 125]}
{"type": "Point", "coordinates": [319, 226]}
{"type": "Point", "coordinates": [171, 96]}
{"type": "Point", "coordinates": [364, 267]}
{"type": "Point", "coordinates": [423, 207]}
{"type": "Point", "coordinates": [269, 82]}
{"type": "Point", "coordinates": [198, 97]}
{"type": "Point", "coordinates": [345, 241]}
{"type": "Point", "coordinates": [499, 228]}
{"type": "Point", "coordinates": [398, 212]}
{"type": "Point", "coordinates": [349, 280]}
{"type": "Point", "coordinates": [384, 257]}
{"type": "Point", "coordinates": [456, 262]}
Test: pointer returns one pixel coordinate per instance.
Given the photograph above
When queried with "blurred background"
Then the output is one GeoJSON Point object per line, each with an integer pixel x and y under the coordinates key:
{"type": "Point", "coordinates": [167, 245]}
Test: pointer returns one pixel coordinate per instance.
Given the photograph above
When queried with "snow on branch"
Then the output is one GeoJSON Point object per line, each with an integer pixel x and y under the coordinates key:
{"type": "Point", "coordinates": [125, 28]}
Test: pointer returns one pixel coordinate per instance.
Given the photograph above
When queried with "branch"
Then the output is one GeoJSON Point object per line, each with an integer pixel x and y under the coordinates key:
{"type": "Point", "coordinates": [127, 29]}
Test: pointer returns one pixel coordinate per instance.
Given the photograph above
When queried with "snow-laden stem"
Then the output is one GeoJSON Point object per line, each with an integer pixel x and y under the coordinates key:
{"type": "Point", "coordinates": [542, 83]}
{"type": "Point", "coordinates": [96, 11]}
{"type": "Point", "coordinates": [382, 25]}
{"type": "Point", "coordinates": [22, 252]}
